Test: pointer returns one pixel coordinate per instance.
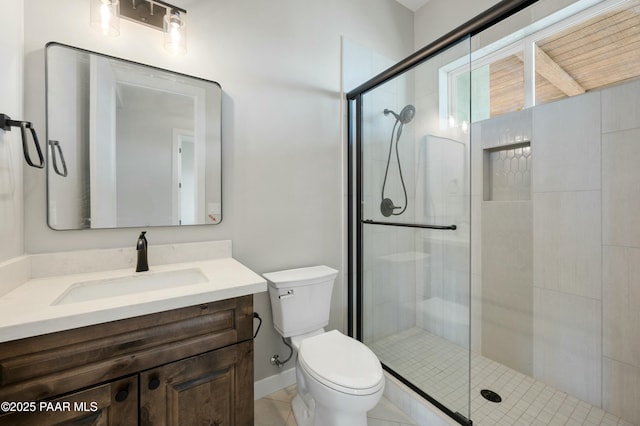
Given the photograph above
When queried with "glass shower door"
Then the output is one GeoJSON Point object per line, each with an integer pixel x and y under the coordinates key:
{"type": "Point", "coordinates": [413, 227]}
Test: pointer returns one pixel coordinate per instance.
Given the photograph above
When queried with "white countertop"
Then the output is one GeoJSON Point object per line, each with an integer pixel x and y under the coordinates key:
{"type": "Point", "coordinates": [29, 310]}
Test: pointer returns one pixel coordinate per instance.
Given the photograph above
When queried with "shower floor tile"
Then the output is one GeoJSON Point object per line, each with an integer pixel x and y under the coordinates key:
{"type": "Point", "coordinates": [441, 367]}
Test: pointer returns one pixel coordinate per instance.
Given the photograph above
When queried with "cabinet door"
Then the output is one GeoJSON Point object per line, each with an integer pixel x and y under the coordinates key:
{"type": "Point", "coordinates": [215, 388]}
{"type": "Point", "coordinates": [112, 404]}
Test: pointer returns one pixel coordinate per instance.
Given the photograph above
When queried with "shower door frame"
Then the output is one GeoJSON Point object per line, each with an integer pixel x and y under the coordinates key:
{"type": "Point", "coordinates": [355, 220]}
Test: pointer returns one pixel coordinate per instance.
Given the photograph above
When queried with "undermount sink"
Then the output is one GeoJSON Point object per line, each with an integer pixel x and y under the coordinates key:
{"type": "Point", "coordinates": [139, 283]}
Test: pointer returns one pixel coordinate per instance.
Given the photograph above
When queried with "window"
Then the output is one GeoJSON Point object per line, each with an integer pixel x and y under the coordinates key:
{"type": "Point", "coordinates": [586, 46]}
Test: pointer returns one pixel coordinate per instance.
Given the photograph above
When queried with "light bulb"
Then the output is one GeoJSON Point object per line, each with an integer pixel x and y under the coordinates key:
{"type": "Point", "coordinates": [175, 36]}
{"type": "Point", "coordinates": [105, 16]}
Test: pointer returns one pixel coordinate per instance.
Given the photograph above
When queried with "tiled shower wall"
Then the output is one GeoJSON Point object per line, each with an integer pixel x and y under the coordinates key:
{"type": "Point", "coordinates": [414, 276]}
{"type": "Point", "coordinates": [559, 275]}
{"type": "Point", "coordinates": [441, 166]}
{"type": "Point", "coordinates": [621, 250]}
{"type": "Point", "coordinates": [389, 258]}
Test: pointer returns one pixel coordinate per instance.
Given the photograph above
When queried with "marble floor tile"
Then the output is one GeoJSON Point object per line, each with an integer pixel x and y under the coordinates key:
{"type": "Point", "coordinates": [275, 410]}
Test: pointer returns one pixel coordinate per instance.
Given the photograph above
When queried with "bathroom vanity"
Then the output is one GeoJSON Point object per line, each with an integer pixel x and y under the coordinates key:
{"type": "Point", "coordinates": [188, 366]}
{"type": "Point", "coordinates": [175, 355]}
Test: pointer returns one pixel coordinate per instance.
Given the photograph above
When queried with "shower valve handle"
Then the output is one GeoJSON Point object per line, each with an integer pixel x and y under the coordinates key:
{"type": "Point", "coordinates": [387, 207]}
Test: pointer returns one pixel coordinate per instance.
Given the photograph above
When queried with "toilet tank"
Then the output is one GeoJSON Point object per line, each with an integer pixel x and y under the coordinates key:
{"type": "Point", "coordinates": [301, 298]}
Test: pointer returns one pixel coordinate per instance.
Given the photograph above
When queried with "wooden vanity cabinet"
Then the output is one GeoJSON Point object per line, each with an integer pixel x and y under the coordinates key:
{"type": "Point", "coordinates": [113, 403]}
{"type": "Point", "coordinates": [205, 389]}
{"type": "Point", "coordinates": [189, 366]}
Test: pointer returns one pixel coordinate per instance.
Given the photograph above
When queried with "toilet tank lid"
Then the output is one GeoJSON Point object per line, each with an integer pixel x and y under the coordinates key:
{"type": "Point", "coordinates": [301, 276]}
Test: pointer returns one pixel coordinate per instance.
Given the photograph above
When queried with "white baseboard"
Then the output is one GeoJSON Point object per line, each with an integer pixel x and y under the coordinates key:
{"type": "Point", "coordinates": [274, 383]}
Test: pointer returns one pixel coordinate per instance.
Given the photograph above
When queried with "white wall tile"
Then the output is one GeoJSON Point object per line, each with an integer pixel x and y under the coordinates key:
{"type": "Point", "coordinates": [476, 313]}
{"type": "Point", "coordinates": [621, 390]}
{"type": "Point", "coordinates": [567, 345]}
{"type": "Point", "coordinates": [621, 107]}
{"type": "Point", "coordinates": [476, 234]}
{"type": "Point", "coordinates": [507, 283]}
{"type": "Point", "coordinates": [477, 156]}
{"type": "Point", "coordinates": [567, 242]}
{"type": "Point", "coordinates": [621, 188]}
{"type": "Point", "coordinates": [507, 129]}
{"type": "Point", "coordinates": [566, 144]}
{"type": "Point", "coordinates": [621, 304]}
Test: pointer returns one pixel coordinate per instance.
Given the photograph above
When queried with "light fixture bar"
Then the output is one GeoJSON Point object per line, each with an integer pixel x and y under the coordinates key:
{"type": "Point", "coordinates": [168, 6]}
{"type": "Point", "coordinates": [143, 12]}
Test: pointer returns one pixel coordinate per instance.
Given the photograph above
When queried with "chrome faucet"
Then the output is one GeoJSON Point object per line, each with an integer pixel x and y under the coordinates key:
{"type": "Point", "coordinates": [141, 249]}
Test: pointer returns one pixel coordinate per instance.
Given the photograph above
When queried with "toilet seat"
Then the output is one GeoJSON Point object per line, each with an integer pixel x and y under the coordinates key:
{"type": "Point", "coordinates": [341, 363]}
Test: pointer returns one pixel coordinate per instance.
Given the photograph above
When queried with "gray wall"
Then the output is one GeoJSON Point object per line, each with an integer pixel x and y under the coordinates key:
{"type": "Point", "coordinates": [11, 41]}
{"type": "Point", "coordinates": [279, 66]}
{"type": "Point", "coordinates": [438, 17]}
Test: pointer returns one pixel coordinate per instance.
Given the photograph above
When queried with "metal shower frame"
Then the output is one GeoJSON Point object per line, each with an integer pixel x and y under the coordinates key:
{"type": "Point", "coordinates": [490, 17]}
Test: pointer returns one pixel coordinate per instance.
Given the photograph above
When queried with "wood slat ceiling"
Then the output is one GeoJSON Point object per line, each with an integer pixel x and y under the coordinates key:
{"type": "Point", "coordinates": [599, 52]}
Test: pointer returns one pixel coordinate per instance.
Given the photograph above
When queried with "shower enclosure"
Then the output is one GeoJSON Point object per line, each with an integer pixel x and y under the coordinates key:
{"type": "Point", "coordinates": [493, 247]}
{"type": "Point", "coordinates": [414, 232]}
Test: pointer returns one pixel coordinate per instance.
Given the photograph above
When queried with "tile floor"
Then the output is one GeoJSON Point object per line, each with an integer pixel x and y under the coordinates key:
{"type": "Point", "coordinates": [275, 410]}
{"type": "Point", "coordinates": [441, 367]}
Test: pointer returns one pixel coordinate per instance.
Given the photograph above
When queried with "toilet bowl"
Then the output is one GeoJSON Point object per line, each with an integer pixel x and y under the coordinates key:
{"type": "Point", "coordinates": [343, 377]}
{"type": "Point", "coordinates": [339, 379]}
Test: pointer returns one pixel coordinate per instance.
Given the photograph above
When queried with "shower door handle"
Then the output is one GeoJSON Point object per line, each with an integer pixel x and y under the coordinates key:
{"type": "Point", "coordinates": [412, 225]}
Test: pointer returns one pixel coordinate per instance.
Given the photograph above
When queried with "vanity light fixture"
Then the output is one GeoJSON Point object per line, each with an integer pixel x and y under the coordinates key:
{"type": "Point", "coordinates": [105, 17]}
{"type": "Point", "coordinates": [175, 32]}
{"type": "Point", "coordinates": [156, 14]}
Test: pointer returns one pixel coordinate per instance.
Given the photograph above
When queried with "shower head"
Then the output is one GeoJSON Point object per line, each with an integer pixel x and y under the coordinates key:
{"type": "Point", "coordinates": [405, 116]}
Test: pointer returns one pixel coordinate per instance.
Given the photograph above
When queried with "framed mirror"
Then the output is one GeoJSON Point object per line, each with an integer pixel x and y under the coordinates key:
{"type": "Point", "coordinates": [129, 145]}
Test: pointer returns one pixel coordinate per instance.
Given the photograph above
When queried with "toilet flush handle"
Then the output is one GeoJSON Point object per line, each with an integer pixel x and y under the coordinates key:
{"type": "Point", "coordinates": [286, 295]}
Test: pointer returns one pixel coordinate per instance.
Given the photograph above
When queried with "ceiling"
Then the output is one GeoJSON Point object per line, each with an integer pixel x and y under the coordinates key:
{"type": "Point", "coordinates": [413, 4]}
{"type": "Point", "coordinates": [598, 52]}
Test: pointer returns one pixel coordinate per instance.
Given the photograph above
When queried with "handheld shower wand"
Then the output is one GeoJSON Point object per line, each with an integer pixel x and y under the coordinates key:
{"type": "Point", "coordinates": [407, 113]}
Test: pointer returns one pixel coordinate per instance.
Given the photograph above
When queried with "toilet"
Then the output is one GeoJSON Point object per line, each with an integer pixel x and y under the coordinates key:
{"type": "Point", "coordinates": [339, 379]}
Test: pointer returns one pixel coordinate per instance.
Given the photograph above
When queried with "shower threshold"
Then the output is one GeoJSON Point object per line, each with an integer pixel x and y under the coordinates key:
{"type": "Point", "coordinates": [440, 367]}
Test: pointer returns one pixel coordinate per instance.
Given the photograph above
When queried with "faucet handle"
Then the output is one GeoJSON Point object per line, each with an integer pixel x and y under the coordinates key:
{"type": "Point", "coordinates": [141, 248]}
{"type": "Point", "coordinates": [142, 241]}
